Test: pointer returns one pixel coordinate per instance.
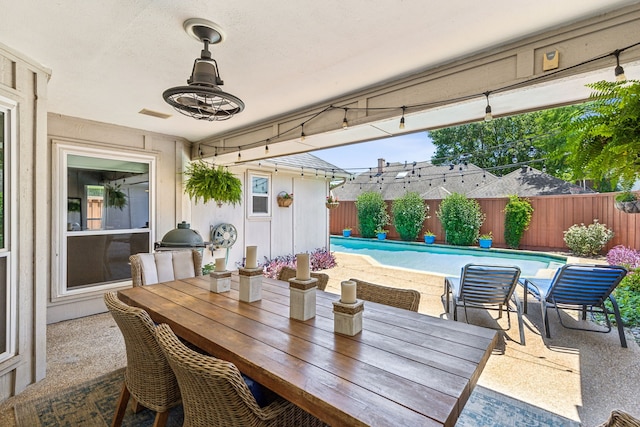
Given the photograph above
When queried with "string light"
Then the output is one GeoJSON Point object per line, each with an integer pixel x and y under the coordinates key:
{"type": "Point", "coordinates": [619, 71]}
{"type": "Point", "coordinates": [215, 153]}
{"type": "Point", "coordinates": [619, 74]}
{"type": "Point", "coordinates": [302, 172]}
{"type": "Point", "coordinates": [266, 147]}
{"type": "Point", "coordinates": [487, 111]}
{"type": "Point", "coordinates": [239, 155]}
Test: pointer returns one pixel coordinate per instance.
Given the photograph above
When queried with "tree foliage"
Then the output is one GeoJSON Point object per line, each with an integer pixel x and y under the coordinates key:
{"type": "Point", "coordinates": [409, 213]}
{"type": "Point", "coordinates": [603, 138]}
{"type": "Point", "coordinates": [493, 145]}
{"type": "Point", "coordinates": [372, 213]}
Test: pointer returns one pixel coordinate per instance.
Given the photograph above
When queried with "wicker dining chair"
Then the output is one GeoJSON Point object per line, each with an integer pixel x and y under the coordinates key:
{"type": "Point", "coordinates": [620, 419]}
{"type": "Point", "coordinates": [165, 266]}
{"type": "Point", "coordinates": [287, 273]}
{"type": "Point", "coordinates": [214, 392]}
{"type": "Point", "coordinates": [409, 299]}
{"type": "Point", "coordinates": [148, 377]}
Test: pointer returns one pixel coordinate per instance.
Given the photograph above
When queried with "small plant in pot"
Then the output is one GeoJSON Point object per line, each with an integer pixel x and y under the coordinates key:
{"type": "Point", "coordinates": [485, 240]}
{"type": "Point", "coordinates": [429, 237]}
{"type": "Point", "coordinates": [346, 232]}
{"type": "Point", "coordinates": [381, 233]}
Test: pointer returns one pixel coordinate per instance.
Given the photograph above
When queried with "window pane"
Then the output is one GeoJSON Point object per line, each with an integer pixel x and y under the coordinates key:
{"type": "Point", "coordinates": [106, 194]}
{"type": "Point", "coordinates": [3, 303]}
{"type": "Point", "coordinates": [98, 259]}
{"type": "Point", "coordinates": [260, 204]}
{"type": "Point", "coordinates": [2, 145]}
{"type": "Point", "coordinates": [259, 185]}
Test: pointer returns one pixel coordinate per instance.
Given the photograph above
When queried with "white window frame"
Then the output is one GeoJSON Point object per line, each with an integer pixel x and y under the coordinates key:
{"type": "Point", "coordinates": [62, 149]}
{"type": "Point", "coordinates": [9, 109]}
{"type": "Point", "coordinates": [250, 194]}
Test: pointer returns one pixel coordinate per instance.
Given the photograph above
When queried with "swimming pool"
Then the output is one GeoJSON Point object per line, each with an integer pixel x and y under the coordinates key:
{"type": "Point", "coordinates": [443, 259]}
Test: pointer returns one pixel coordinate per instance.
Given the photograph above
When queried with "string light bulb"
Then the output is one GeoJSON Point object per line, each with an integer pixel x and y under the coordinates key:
{"type": "Point", "coordinates": [402, 118]}
{"type": "Point", "coordinates": [345, 123]}
{"type": "Point", "coordinates": [215, 152]}
{"type": "Point", "coordinates": [302, 135]}
{"type": "Point", "coordinates": [619, 71]}
{"type": "Point", "coordinates": [266, 147]}
{"type": "Point", "coordinates": [487, 111]}
{"type": "Point", "coordinates": [239, 155]}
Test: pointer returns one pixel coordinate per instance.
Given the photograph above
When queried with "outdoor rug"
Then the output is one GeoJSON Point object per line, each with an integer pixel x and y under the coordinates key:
{"type": "Point", "coordinates": [92, 404]}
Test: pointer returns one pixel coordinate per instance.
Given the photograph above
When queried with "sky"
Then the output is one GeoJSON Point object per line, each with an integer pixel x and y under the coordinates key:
{"type": "Point", "coordinates": [360, 157]}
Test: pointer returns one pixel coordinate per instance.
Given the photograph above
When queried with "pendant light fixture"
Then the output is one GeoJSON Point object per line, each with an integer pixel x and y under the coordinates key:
{"type": "Point", "coordinates": [487, 111]}
{"type": "Point", "coordinates": [202, 99]}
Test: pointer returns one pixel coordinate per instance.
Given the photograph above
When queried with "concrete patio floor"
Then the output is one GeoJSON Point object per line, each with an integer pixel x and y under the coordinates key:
{"type": "Point", "coordinates": [578, 375]}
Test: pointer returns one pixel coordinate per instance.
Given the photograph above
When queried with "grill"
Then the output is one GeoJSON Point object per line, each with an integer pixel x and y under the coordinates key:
{"type": "Point", "coordinates": [180, 238]}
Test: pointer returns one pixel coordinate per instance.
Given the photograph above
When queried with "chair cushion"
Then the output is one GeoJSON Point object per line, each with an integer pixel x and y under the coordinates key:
{"type": "Point", "coordinates": [148, 269]}
{"type": "Point", "coordinates": [183, 264]}
{"type": "Point", "coordinates": [164, 266]}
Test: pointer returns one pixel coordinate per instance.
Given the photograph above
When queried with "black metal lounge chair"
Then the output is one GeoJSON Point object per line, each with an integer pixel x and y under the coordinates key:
{"type": "Point", "coordinates": [490, 287]}
{"type": "Point", "coordinates": [583, 287]}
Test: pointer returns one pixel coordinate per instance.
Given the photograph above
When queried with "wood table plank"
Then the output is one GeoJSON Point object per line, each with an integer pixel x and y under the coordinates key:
{"type": "Point", "coordinates": [404, 368]}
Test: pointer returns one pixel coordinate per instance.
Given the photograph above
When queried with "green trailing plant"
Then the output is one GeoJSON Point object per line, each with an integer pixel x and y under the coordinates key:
{"type": "Point", "coordinates": [429, 233]}
{"type": "Point", "coordinates": [208, 182]}
{"type": "Point", "coordinates": [486, 236]}
{"type": "Point", "coordinates": [115, 197]}
{"type": "Point", "coordinates": [626, 196]}
{"type": "Point", "coordinates": [587, 240]}
{"type": "Point", "coordinates": [603, 140]}
{"type": "Point", "coordinates": [372, 213]}
{"type": "Point", "coordinates": [518, 213]}
{"type": "Point", "coordinates": [461, 218]}
{"type": "Point", "coordinates": [409, 213]}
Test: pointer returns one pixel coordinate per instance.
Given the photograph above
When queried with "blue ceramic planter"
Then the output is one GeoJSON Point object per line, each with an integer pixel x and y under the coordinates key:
{"type": "Point", "coordinates": [382, 236]}
{"type": "Point", "coordinates": [485, 243]}
{"type": "Point", "coordinates": [346, 233]}
{"type": "Point", "coordinates": [429, 239]}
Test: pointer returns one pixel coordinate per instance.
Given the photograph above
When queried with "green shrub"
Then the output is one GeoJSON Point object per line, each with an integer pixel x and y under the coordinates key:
{"type": "Point", "coordinates": [409, 213]}
{"type": "Point", "coordinates": [372, 213]}
{"type": "Point", "coordinates": [627, 295]}
{"type": "Point", "coordinates": [517, 217]}
{"type": "Point", "coordinates": [461, 219]}
{"type": "Point", "coordinates": [587, 240]}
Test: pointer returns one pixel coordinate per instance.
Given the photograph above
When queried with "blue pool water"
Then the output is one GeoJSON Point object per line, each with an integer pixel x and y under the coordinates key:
{"type": "Point", "coordinates": [443, 259]}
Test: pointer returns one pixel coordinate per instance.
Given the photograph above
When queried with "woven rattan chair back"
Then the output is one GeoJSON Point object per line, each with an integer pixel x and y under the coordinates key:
{"type": "Point", "coordinates": [620, 419]}
{"type": "Point", "coordinates": [409, 299]}
{"type": "Point", "coordinates": [148, 376]}
{"type": "Point", "coordinates": [215, 394]}
{"type": "Point", "coordinates": [287, 273]}
{"type": "Point", "coordinates": [137, 269]}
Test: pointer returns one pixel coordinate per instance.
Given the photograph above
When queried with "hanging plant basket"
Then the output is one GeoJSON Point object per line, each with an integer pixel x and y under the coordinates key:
{"type": "Point", "coordinates": [208, 182]}
{"type": "Point", "coordinates": [284, 199]}
{"type": "Point", "coordinates": [332, 205]}
{"type": "Point", "coordinates": [628, 207]}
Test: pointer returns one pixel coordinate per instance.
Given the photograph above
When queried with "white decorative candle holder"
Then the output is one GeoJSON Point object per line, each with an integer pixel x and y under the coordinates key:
{"type": "Point", "coordinates": [347, 318]}
{"type": "Point", "coordinates": [220, 281]}
{"type": "Point", "coordinates": [302, 298]}
{"type": "Point", "coordinates": [250, 284]}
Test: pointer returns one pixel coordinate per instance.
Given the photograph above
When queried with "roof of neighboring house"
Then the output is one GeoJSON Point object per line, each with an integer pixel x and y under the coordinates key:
{"type": "Point", "coordinates": [525, 182]}
{"type": "Point", "coordinates": [432, 182]}
{"type": "Point", "coordinates": [308, 164]}
{"type": "Point", "coordinates": [393, 180]}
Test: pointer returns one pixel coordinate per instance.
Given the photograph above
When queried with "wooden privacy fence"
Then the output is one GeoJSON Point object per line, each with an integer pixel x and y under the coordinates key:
{"type": "Point", "coordinates": [551, 216]}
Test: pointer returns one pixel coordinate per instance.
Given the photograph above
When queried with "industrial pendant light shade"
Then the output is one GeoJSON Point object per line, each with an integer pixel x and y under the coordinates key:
{"type": "Point", "coordinates": [202, 99]}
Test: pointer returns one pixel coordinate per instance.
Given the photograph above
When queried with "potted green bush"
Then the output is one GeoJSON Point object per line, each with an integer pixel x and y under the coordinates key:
{"type": "Point", "coordinates": [346, 232]}
{"type": "Point", "coordinates": [409, 213]}
{"type": "Point", "coordinates": [461, 218]}
{"type": "Point", "coordinates": [372, 213]}
{"type": "Point", "coordinates": [485, 240]}
{"type": "Point", "coordinates": [381, 233]}
{"type": "Point", "coordinates": [518, 213]}
{"type": "Point", "coordinates": [429, 237]}
{"type": "Point", "coordinates": [208, 182]}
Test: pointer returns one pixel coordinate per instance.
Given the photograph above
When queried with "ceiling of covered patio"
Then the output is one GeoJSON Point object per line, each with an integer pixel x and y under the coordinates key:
{"type": "Point", "coordinates": [110, 60]}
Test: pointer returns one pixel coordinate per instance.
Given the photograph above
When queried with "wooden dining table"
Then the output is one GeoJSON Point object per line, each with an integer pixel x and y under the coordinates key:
{"type": "Point", "coordinates": [403, 369]}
